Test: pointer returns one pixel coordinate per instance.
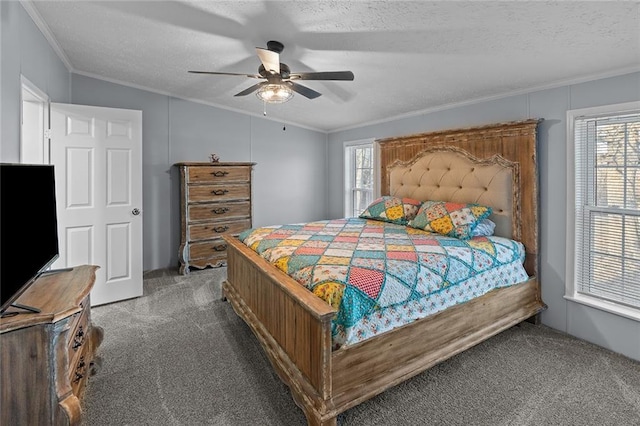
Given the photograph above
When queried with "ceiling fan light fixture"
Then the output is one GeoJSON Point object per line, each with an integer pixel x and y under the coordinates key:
{"type": "Point", "coordinates": [275, 93]}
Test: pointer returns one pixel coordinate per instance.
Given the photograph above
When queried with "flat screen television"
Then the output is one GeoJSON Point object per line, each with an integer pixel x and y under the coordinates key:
{"type": "Point", "coordinates": [28, 227]}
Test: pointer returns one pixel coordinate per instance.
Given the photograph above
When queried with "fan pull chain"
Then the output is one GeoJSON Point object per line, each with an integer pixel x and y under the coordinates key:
{"type": "Point", "coordinates": [264, 109]}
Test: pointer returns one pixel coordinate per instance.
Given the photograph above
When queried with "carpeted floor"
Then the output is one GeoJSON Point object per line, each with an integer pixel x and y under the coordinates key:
{"type": "Point", "coordinates": [180, 356]}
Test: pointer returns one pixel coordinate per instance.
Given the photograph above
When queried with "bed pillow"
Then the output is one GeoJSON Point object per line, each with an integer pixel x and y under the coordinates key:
{"type": "Point", "coordinates": [485, 228]}
{"type": "Point", "coordinates": [392, 209]}
{"type": "Point", "coordinates": [451, 219]}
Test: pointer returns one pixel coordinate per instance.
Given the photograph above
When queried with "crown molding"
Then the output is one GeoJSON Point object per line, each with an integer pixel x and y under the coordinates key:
{"type": "Point", "coordinates": [37, 19]}
{"type": "Point", "coordinates": [554, 85]}
{"type": "Point", "coordinates": [32, 11]}
{"type": "Point", "coordinates": [197, 101]}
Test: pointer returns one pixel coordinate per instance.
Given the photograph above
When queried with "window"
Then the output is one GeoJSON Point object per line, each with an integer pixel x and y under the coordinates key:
{"type": "Point", "coordinates": [358, 176]}
{"type": "Point", "coordinates": [603, 260]}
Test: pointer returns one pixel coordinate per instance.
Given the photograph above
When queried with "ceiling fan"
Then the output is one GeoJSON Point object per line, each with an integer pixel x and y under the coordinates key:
{"type": "Point", "coordinates": [279, 82]}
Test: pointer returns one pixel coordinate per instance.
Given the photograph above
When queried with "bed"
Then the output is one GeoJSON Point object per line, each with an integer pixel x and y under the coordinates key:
{"type": "Point", "coordinates": [492, 165]}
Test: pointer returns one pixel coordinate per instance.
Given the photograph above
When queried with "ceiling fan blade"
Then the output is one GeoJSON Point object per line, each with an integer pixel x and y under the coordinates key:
{"type": "Point", "coordinates": [225, 73]}
{"type": "Point", "coordinates": [304, 91]}
{"type": "Point", "coordinates": [270, 59]}
{"type": "Point", "coordinates": [328, 75]}
{"type": "Point", "coordinates": [251, 89]}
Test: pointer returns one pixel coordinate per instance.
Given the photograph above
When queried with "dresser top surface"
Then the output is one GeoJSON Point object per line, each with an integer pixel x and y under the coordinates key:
{"type": "Point", "coordinates": [57, 296]}
{"type": "Point", "coordinates": [219, 164]}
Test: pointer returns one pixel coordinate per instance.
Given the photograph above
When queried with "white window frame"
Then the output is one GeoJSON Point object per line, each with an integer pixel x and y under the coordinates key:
{"type": "Point", "coordinates": [571, 291]}
{"type": "Point", "coordinates": [349, 175]}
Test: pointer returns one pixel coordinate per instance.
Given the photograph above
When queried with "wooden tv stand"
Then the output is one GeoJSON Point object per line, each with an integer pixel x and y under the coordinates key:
{"type": "Point", "coordinates": [46, 357]}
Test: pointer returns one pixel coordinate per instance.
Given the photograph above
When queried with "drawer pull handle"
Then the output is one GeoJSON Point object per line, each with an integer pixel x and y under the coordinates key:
{"type": "Point", "coordinates": [220, 210]}
{"type": "Point", "coordinates": [78, 339]}
{"type": "Point", "coordinates": [219, 173]}
{"type": "Point", "coordinates": [220, 247]}
{"type": "Point", "coordinates": [220, 228]}
{"type": "Point", "coordinates": [219, 191]}
{"type": "Point", "coordinates": [79, 370]}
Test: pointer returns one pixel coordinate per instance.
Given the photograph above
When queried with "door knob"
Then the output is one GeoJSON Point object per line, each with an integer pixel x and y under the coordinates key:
{"type": "Point", "coordinates": [135, 212]}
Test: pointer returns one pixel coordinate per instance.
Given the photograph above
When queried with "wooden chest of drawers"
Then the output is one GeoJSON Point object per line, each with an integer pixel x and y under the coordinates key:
{"type": "Point", "coordinates": [215, 200]}
{"type": "Point", "coordinates": [48, 356]}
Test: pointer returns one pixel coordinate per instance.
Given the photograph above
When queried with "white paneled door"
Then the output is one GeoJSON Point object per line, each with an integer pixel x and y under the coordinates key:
{"type": "Point", "coordinates": [97, 154]}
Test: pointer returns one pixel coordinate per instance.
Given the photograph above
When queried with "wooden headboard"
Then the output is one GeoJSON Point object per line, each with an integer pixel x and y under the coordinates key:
{"type": "Point", "coordinates": [493, 165]}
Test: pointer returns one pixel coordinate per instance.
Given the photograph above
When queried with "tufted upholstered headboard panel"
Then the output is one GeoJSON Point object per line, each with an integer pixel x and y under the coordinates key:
{"type": "Point", "coordinates": [494, 165]}
{"type": "Point", "coordinates": [451, 174]}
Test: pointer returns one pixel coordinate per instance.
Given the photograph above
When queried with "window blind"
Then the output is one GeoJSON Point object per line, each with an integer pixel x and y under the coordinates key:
{"type": "Point", "coordinates": [362, 179]}
{"type": "Point", "coordinates": [359, 177]}
{"type": "Point", "coordinates": [607, 207]}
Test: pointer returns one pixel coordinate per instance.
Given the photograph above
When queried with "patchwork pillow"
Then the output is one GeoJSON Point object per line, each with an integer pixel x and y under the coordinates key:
{"type": "Point", "coordinates": [485, 228]}
{"type": "Point", "coordinates": [392, 209]}
{"type": "Point", "coordinates": [452, 219]}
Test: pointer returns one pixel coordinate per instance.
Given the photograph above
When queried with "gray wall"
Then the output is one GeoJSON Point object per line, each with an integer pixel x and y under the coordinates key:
{"type": "Point", "coordinates": [608, 330]}
{"type": "Point", "coordinates": [24, 50]}
{"type": "Point", "coordinates": [297, 176]}
{"type": "Point", "coordinates": [289, 178]}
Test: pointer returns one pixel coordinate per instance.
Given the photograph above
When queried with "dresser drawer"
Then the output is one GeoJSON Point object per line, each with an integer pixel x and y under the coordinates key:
{"type": "Point", "coordinates": [202, 174]}
{"type": "Point", "coordinates": [211, 230]}
{"type": "Point", "coordinates": [78, 340]}
{"type": "Point", "coordinates": [219, 192]}
{"type": "Point", "coordinates": [219, 211]}
{"type": "Point", "coordinates": [210, 249]}
{"type": "Point", "coordinates": [79, 372]}
{"type": "Point", "coordinates": [78, 333]}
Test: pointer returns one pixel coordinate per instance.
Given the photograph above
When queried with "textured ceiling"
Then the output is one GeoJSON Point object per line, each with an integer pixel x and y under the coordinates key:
{"type": "Point", "coordinates": [406, 56]}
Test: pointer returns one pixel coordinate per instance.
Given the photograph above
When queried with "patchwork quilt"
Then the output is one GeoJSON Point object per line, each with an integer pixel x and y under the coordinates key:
{"type": "Point", "coordinates": [381, 275]}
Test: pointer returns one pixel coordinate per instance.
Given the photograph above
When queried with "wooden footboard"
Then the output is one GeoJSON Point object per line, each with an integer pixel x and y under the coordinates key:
{"type": "Point", "coordinates": [291, 323]}
{"type": "Point", "coordinates": [366, 369]}
{"type": "Point", "coordinates": [294, 327]}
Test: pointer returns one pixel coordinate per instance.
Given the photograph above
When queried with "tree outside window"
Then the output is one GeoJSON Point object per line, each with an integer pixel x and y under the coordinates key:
{"type": "Point", "coordinates": [604, 268]}
{"type": "Point", "coordinates": [614, 253]}
{"type": "Point", "coordinates": [359, 176]}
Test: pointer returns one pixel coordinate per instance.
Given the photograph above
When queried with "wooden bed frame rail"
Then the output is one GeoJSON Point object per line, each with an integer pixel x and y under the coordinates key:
{"type": "Point", "coordinates": [293, 324]}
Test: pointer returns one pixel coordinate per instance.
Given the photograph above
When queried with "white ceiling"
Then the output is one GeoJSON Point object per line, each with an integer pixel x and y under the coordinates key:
{"type": "Point", "coordinates": [406, 56]}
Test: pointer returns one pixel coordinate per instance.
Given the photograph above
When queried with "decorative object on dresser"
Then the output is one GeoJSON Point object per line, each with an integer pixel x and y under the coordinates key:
{"type": "Point", "coordinates": [47, 356]}
{"type": "Point", "coordinates": [215, 200]}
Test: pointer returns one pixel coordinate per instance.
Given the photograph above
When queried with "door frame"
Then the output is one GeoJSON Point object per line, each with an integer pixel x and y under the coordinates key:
{"type": "Point", "coordinates": [29, 92]}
